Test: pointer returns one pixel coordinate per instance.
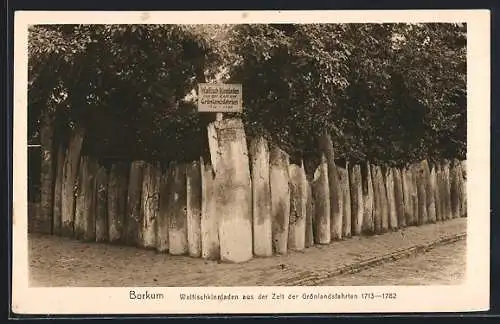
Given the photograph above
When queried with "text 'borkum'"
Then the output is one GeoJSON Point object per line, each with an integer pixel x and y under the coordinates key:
{"type": "Point", "coordinates": [145, 295]}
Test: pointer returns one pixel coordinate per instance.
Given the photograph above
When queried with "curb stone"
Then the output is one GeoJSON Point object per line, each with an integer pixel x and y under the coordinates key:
{"type": "Point", "coordinates": [316, 279]}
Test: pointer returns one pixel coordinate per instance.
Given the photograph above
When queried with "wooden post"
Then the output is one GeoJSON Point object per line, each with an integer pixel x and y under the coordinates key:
{"type": "Point", "coordinates": [463, 174]}
{"type": "Point", "coordinates": [368, 203]}
{"type": "Point", "coordinates": [280, 198]}
{"type": "Point", "coordinates": [399, 197]}
{"type": "Point", "coordinates": [162, 222]}
{"type": "Point", "coordinates": [210, 248]}
{"type": "Point", "coordinates": [101, 210]}
{"type": "Point", "coordinates": [460, 185]}
{"type": "Point", "coordinates": [69, 183]}
{"type": "Point", "coordinates": [447, 195]}
{"type": "Point", "coordinates": [233, 191]}
{"type": "Point", "coordinates": [134, 210]}
{"type": "Point", "coordinates": [177, 216]}
{"type": "Point", "coordinates": [43, 223]}
{"type": "Point", "coordinates": [320, 192]}
{"type": "Point", "coordinates": [298, 201]}
{"type": "Point", "coordinates": [435, 185]}
{"type": "Point", "coordinates": [442, 191]}
{"type": "Point", "coordinates": [56, 226]}
{"type": "Point", "coordinates": [384, 204]}
{"type": "Point", "coordinates": [422, 194]}
{"type": "Point", "coordinates": [455, 189]}
{"type": "Point", "coordinates": [391, 199]}
{"type": "Point", "coordinates": [356, 193]}
{"type": "Point", "coordinates": [117, 201]}
{"type": "Point", "coordinates": [85, 201]}
{"type": "Point", "coordinates": [78, 218]}
{"type": "Point", "coordinates": [309, 217]}
{"type": "Point", "coordinates": [193, 201]}
{"type": "Point", "coordinates": [414, 194]}
{"type": "Point", "coordinates": [335, 187]}
{"type": "Point", "coordinates": [346, 201]}
{"type": "Point", "coordinates": [261, 198]}
{"type": "Point", "coordinates": [149, 206]}
{"type": "Point", "coordinates": [377, 201]}
{"type": "Point", "coordinates": [430, 184]}
{"type": "Point", "coordinates": [407, 196]}
{"type": "Point", "coordinates": [439, 192]}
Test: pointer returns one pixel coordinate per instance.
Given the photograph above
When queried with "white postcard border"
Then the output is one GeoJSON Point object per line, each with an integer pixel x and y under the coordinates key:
{"type": "Point", "coordinates": [473, 295]}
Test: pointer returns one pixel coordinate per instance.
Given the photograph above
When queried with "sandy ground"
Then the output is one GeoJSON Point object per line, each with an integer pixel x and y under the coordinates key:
{"type": "Point", "coordinates": [58, 261]}
{"type": "Point", "coordinates": [444, 265]}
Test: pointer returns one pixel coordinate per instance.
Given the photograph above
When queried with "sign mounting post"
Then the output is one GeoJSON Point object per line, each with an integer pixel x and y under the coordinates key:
{"type": "Point", "coordinates": [231, 172]}
{"type": "Point", "coordinates": [218, 98]}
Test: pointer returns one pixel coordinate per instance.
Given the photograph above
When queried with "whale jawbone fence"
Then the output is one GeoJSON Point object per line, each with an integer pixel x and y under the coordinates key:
{"type": "Point", "coordinates": [330, 130]}
{"type": "Point", "coordinates": [257, 202]}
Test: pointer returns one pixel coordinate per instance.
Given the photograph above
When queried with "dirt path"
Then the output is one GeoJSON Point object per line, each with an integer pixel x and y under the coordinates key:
{"type": "Point", "coordinates": [443, 265]}
{"type": "Point", "coordinates": [56, 261]}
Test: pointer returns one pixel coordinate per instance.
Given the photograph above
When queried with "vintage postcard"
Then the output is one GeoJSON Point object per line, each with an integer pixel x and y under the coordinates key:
{"type": "Point", "coordinates": [223, 162]}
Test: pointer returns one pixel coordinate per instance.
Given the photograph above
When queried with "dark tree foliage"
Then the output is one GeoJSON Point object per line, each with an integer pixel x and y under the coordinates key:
{"type": "Point", "coordinates": [124, 84]}
{"type": "Point", "coordinates": [388, 93]}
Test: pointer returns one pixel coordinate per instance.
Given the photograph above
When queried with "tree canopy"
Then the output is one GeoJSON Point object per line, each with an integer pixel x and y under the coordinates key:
{"type": "Point", "coordinates": [391, 93]}
{"type": "Point", "coordinates": [123, 83]}
{"type": "Point", "coordinates": [388, 93]}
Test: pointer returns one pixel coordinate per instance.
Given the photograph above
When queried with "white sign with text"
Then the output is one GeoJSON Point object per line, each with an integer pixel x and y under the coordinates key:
{"type": "Point", "coordinates": [219, 97]}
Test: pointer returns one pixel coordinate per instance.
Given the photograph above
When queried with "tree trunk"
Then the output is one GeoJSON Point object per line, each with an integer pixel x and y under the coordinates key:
{"type": "Point", "coordinates": [177, 215]}
{"type": "Point", "coordinates": [335, 188]}
{"type": "Point", "coordinates": [117, 201]}
{"type": "Point", "coordinates": [149, 206]}
{"type": "Point", "coordinates": [193, 201]}
{"type": "Point", "coordinates": [163, 211]}
{"type": "Point", "coordinates": [398, 198]}
{"type": "Point", "coordinates": [210, 248]}
{"type": "Point", "coordinates": [101, 210]}
{"type": "Point", "coordinates": [298, 203]}
{"type": "Point", "coordinates": [321, 194]}
{"type": "Point", "coordinates": [309, 217]}
{"type": "Point", "coordinates": [261, 198]}
{"type": "Point", "coordinates": [368, 203]}
{"type": "Point", "coordinates": [280, 199]}
{"type": "Point", "coordinates": [44, 222]}
{"type": "Point", "coordinates": [70, 172]}
{"type": "Point", "coordinates": [56, 226]}
{"type": "Point", "coordinates": [391, 199]}
{"type": "Point", "coordinates": [85, 201]}
{"type": "Point", "coordinates": [356, 192]}
{"type": "Point", "coordinates": [134, 210]}
{"type": "Point", "coordinates": [422, 194]}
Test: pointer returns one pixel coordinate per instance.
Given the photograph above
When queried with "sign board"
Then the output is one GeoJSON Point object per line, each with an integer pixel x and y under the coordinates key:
{"type": "Point", "coordinates": [219, 98]}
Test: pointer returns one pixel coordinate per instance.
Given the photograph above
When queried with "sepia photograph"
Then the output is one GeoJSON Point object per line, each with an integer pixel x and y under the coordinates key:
{"type": "Point", "coordinates": [251, 154]}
